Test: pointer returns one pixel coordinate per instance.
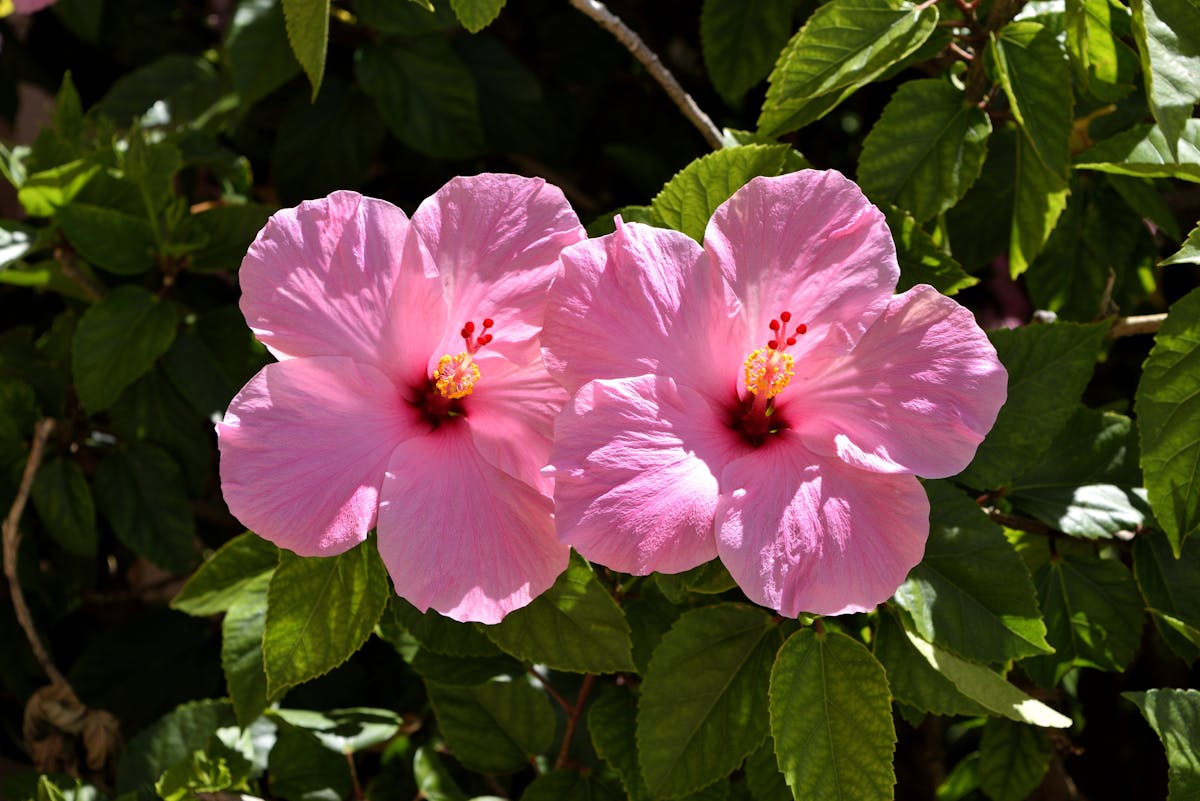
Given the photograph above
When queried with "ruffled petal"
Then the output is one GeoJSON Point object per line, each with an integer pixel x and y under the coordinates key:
{"type": "Point", "coordinates": [318, 279]}
{"type": "Point", "coordinates": [495, 240]}
{"type": "Point", "coordinates": [304, 447]}
{"type": "Point", "coordinates": [916, 395]}
{"type": "Point", "coordinates": [804, 534]}
{"type": "Point", "coordinates": [808, 243]}
{"type": "Point", "coordinates": [642, 300]}
{"type": "Point", "coordinates": [460, 536]}
{"type": "Point", "coordinates": [511, 417]}
{"type": "Point", "coordinates": [635, 463]}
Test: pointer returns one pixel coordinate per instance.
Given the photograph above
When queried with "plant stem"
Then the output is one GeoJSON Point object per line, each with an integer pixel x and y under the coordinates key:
{"type": "Point", "coordinates": [634, 44]}
{"type": "Point", "coordinates": [573, 720]}
{"type": "Point", "coordinates": [555, 694]}
{"type": "Point", "coordinates": [1136, 324]}
{"type": "Point", "coordinates": [12, 543]}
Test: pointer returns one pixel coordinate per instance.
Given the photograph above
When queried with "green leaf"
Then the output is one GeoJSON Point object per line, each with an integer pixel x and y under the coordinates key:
{"type": "Point", "coordinates": [710, 578]}
{"type": "Point", "coordinates": [425, 94]}
{"type": "Point", "coordinates": [926, 150]}
{"type": "Point", "coordinates": [242, 650]}
{"type": "Point", "coordinates": [831, 716]}
{"type": "Point", "coordinates": [109, 239]}
{"type": "Point", "coordinates": [308, 33]}
{"type": "Point", "coordinates": [1095, 237]}
{"type": "Point", "coordinates": [117, 341]}
{"type": "Point", "coordinates": [49, 190]}
{"type": "Point", "coordinates": [1048, 368]}
{"type": "Point", "coordinates": [165, 84]}
{"type": "Point", "coordinates": [922, 261]}
{"type": "Point", "coordinates": [319, 612]}
{"type": "Point", "coordinates": [1031, 66]}
{"type": "Point", "coordinates": [1175, 717]}
{"type": "Point", "coordinates": [316, 152]}
{"type": "Point", "coordinates": [82, 17]}
{"type": "Point", "coordinates": [912, 679]}
{"type": "Point", "coordinates": [689, 199]}
{"type": "Point", "coordinates": [971, 593]}
{"type": "Point", "coordinates": [1167, 584]}
{"type": "Point", "coordinates": [433, 780]}
{"type": "Point", "coordinates": [844, 45]}
{"type": "Point", "coordinates": [345, 731]}
{"type": "Point", "coordinates": [140, 491]}
{"type": "Point", "coordinates": [260, 57]}
{"type": "Point", "coordinates": [475, 15]}
{"type": "Point", "coordinates": [1144, 151]}
{"type": "Point", "coordinates": [64, 502]}
{"type": "Point", "coordinates": [494, 727]}
{"type": "Point", "coordinates": [436, 633]}
{"type": "Point", "coordinates": [151, 166]}
{"type": "Point", "coordinates": [1093, 614]}
{"type": "Point", "coordinates": [763, 778]}
{"type": "Point", "coordinates": [703, 706]}
{"type": "Point", "coordinates": [18, 411]}
{"type": "Point", "coordinates": [1189, 253]}
{"type": "Point", "coordinates": [612, 723]}
{"type": "Point", "coordinates": [986, 688]}
{"type": "Point", "coordinates": [1167, 33]}
{"type": "Point", "coordinates": [574, 626]}
{"type": "Point", "coordinates": [303, 769]}
{"type": "Point", "coordinates": [170, 740]}
{"type": "Point", "coordinates": [1093, 46]}
{"type": "Point", "coordinates": [740, 40]}
{"type": "Point", "coordinates": [1167, 405]}
{"type": "Point", "coordinates": [1013, 758]}
{"type": "Point", "coordinates": [1089, 484]}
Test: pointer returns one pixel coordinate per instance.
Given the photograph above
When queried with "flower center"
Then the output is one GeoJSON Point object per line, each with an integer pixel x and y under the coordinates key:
{"type": "Point", "coordinates": [456, 374]}
{"type": "Point", "coordinates": [769, 370]}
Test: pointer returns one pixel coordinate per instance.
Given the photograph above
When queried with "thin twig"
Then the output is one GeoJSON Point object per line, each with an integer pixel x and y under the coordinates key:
{"type": "Point", "coordinates": [634, 44]}
{"type": "Point", "coordinates": [12, 543]}
{"type": "Point", "coordinates": [66, 261]}
{"type": "Point", "coordinates": [1136, 324]}
{"type": "Point", "coordinates": [555, 694]}
{"type": "Point", "coordinates": [573, 720]}
{"type": "Point", "coordinates": [1021, 523]}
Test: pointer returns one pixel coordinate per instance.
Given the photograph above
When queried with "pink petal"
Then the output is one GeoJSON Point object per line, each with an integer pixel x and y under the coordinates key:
{"type": "Point", "coordinates": [30, 6]}
{"type": "Point", "coordinates": [304, 447]}
{"type": "Point", "coordinates": [461, 536]}
{"type": "Point", "coordinates": [634, 463]}
{"type": "Point", "coordinates": [804, 534]}
{"type": "Point", "coordinates": [642, 300]}
{"type": "Point", "coordinates": [319, 278]}
{"type": "Point", "coordinates": [495, 240]}
{"type": "Point", "coordinates": [808, 243]}
{"type": "Point", "coordinates": [916, 395]}
{"type": "Point", "coordinates": [511, 417]}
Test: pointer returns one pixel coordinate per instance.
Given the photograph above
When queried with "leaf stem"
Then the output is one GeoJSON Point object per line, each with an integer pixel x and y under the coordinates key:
{"type": "Point", "coordinates": [555, 694]}
{"type": "Point", "coordinates": [1136, 324]}
{"type": "Point", "coordinates": [634, 44]}
{"type": "Point", "coordinates": [12, 544]}
{"type": "Point", "coordinates": [573, 719]}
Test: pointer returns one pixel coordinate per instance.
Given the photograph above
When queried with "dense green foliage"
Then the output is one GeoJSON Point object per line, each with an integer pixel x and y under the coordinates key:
{"type": "Point", "coordinates": [1028, 155]}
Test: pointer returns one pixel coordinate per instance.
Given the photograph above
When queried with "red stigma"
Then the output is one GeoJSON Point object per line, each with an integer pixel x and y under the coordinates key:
{"type": "Point", "coordinates": [780, 339]}
{"type": "Point", "coordinates": [474, 343]}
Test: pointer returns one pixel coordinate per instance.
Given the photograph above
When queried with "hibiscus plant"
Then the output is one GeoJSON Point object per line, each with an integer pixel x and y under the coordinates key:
{"type": "Point", "coordinates": [735, 400]}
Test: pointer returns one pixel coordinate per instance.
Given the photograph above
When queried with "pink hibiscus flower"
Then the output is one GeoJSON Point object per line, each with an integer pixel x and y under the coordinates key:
{"type": "Point", "coordinates": [30, 6]}
{"type": "Point", "coordinates": [410, 394]}
{"type": "Point", "coordinates": [765, 399]}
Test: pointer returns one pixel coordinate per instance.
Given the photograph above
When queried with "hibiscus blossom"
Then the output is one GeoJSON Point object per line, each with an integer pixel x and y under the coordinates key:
{"type": "Point", "coordinates": [765, 399]}
{"type": "Point", "coordinates": [410, 394]}
{"type": "Point", "coordinates": [28, 6]}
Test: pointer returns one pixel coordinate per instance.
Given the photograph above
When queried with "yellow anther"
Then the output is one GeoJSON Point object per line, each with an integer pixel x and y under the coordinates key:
{"type": "Point", "coordinates": [768, 371]}
{"type": "Point", "coordinates": [456, 375]}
